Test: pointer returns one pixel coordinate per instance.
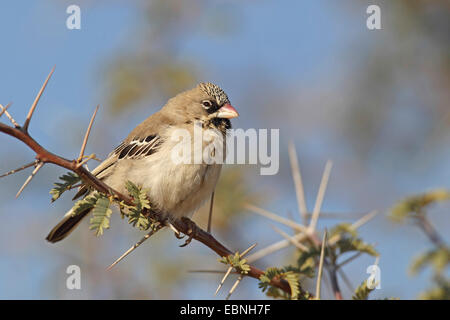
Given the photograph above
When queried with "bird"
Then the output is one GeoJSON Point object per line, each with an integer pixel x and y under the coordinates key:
{"type": "Point", "coordinates": [174, 189]}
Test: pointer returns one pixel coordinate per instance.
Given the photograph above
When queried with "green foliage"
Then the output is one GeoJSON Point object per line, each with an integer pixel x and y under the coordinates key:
{"type": "Point", "coordinates": [236, 262]}
{"type": "Point", "coordinates": [415, 205]}
{"type": "Point", "coordinates": [306, 262]}
{"type": "Point", "coordinates": [101, 214]}
{"type": "Point", "coordinates": [100, 206]}
{"type": "Point", "coordinates": [438, 258]}
{"type": "Point", "coordinates": [362, 292]}
{"type": "Point", "coordinates": [84, 204]}
{"type": "Point", "coordinates": [69, 180]}
{"type": "Point", "coordinates": [348, 242]}
{"type": "Point", "coordinates": [354, 244]}
{"type": "Point", "coordinates": [290, 275]}
{"type": "Point", "coordinates": [140, 201]}
{"type": "Point", "coordinates": [441, 291]}
{"type": "Point", "coordinates": [343, 228]}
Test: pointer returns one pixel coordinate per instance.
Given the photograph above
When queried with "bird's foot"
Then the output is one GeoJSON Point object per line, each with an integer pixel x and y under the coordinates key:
{"type": "Point", "coordinates": [177, 233]}
{"type": "Point", "coordinates": [192, 227]}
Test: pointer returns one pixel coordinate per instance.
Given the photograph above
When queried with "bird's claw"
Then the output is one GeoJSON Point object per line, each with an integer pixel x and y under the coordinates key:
{"type": "Point", "coordinates": [177, 233]}
{"type": "Point", "coordinates": [192, 227]}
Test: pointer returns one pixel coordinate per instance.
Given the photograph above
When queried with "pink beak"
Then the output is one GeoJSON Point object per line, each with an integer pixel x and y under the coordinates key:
{"type": "Point", "coordinates": [227, 112]}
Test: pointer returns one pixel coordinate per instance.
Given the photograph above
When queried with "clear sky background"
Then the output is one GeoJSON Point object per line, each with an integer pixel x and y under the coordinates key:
{"type": "Point", "coordinates": [369, 100]}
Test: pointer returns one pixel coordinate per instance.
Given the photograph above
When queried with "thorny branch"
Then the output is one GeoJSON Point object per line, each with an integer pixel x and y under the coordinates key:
{"type": "Point", "coordinates": [44, 156]}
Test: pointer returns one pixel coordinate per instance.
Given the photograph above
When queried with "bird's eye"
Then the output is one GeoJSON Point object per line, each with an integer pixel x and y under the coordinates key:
{"type": "Point", "coordinates": [206, 104]}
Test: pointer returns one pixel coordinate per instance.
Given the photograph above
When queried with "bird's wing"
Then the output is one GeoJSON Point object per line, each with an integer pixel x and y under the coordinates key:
{"type": "Point", "coordinates": [134, 149]}
{"type": "Point", "coordinates": [143, 141]}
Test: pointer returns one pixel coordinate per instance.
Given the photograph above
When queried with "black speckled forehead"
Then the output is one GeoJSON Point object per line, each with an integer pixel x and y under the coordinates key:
{"type": "Point", "coordinates": [214, 91]}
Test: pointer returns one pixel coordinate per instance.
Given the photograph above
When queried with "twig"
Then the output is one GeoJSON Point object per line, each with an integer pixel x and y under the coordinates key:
{"type": "Point", "coordinates": [20, 169]}
{"type": "Point", "coordinates": [299, 190]}
{"type": "Point", "coordinates": [38, 167]}
{"type": "Point", "coordinates": [36, 100]}
{"type": "Point", "coordinates": [332, 270]}
{"type": "Point", "coordinates": [320, 195]}
{"type": "Point", "coordinates": [322, 256]}
{"type": "Point", "coordinates": [346, 280]}
{"type": "Point", "coordinates": [349, 259]}
{"type": "Point", "coordinates": [137, 244]}
{"type": "Point", "coordinates": [86, 136]}
{"type": "Point", "coordinates": [430, 231]}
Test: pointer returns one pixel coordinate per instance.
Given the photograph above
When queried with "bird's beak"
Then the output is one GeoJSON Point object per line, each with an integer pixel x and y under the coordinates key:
{"type": "Point", "coordinates": [227, 111]}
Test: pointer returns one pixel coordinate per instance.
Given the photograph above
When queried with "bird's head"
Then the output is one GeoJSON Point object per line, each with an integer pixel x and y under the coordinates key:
{"type": "Point", "coordinates": [206, 101]}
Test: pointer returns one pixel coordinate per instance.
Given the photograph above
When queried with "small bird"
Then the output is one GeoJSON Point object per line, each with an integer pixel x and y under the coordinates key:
{"type": "Point", "coordinates": [175, 190]}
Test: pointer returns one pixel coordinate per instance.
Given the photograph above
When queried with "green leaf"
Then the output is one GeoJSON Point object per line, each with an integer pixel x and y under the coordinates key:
{"type": "Point", "coordinates": [291, 276]}
{"type": "Point", "coordinates": [101, 214]}
{"type": "Point", "coordinates": [355, 244]}
{"type": "Point", "coordinates": [415, 205]}
{"type": "Point", "coordinates": [343, 228]}
{"type": "Point", "coordinates": [438, 258]}
{"type": "Point", "coordinates": [362, 292]}
{"type": "Point", "coordinates": [236, 262]}
{"type": "Point", "coordinates": [306, 262]}
{"type": "Point", "coordinates": [440, 292]}
{"type": "Point", "coordinates": [85, 204]}
{"type": "Point", "coordinates": [293, 280]}
{"type": "Point", "coordinates": [69, 180]}
{"type": "Point", "coordinates": [141, 202]}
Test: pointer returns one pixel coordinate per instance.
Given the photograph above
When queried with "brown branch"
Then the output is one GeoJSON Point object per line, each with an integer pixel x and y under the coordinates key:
{"type": "Point", "coordinates": [44, 156]}
{"type": "Point", "coordinates": [429, 230]}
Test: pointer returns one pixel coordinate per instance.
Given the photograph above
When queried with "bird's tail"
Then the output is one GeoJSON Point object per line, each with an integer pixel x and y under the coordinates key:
{"type": "Point", "coordinates": [65, 227]}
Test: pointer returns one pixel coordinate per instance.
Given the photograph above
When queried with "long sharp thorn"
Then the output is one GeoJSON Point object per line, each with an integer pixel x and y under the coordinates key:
{"type": "Point", "coordinates": [322, 257]}
{"type": "Point", "coordinates": [276, 217]}
{"type": "Point", "coordinates": [208, 271]}
{"type": "Point", "coordinates": [14, 122]}
{"type": "Point", "coordinates": [231, 268]}
{"type": "Point", "coordinates": [20, 169]}
{"type": "Point", "coordinates": [148, 235]}
{"type": "Point", "coordinates": [86, 136]}
{"type": "Point", "coordinates": [211, 205]}
{"type": "Point", "coordinates": [274, 247]}
{"type": "Point", "coordinates": [320, 195]}
{"type": "Point", "coordinates": [36, 100]}
{"type": "Point", "coordinates": [223, 280]}
{"type": "Point", "coordinates": [356, 225]}
{"type": "Point", "coordinates": [295, 242]}
{"type": "Point", "coordinates": [299, 190]}
{"type": "Point", "coordinates": [234, 287]}
{"type": "Point", "coordinates": [248, 250]}
{"type": "Point", "coordinates": [4, 108]}
{"type": "Point", "coordinates": [364, 219]}
{"type": "Point", "coordinates": [38, 167]}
